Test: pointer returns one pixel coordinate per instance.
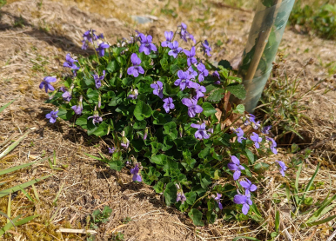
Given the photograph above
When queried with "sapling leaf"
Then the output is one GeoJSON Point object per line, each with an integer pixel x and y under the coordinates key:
{"type": "Point", "coordinates": [6, 105]}
{"type": "Point", "coordinates": [277, 221]}
{"type": "Point", "coordinates": [244, 237]}
{"type": "Point", "coordinates": [216, 95]}
{"type": "Point", "coordinates": [237, 90]}
{"type": "Point", "coordinates": [321, 221]}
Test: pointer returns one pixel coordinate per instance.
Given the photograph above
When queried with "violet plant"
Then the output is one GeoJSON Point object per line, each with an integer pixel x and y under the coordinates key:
{"type": "Point", "coordinates": [159, 104]}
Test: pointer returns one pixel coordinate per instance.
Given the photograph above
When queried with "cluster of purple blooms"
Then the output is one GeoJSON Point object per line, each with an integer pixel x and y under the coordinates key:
{"type": "Point", "coordinates": [236, 167]}
{"type": "Point", "coordinates": [90, 37]}
{"type": "Point", "coordinates": [186, 79]}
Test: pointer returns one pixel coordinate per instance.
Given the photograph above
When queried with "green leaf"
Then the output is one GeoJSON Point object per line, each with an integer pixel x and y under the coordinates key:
{"type": "Point", "coordinates": [204, 153]}
{"type": "Point", "coordinates": [92, 94]}
{"type": "Point", "coordinates": [196, 217]}
{"type": "Point", "coordinates": [6, 105]}
{"type": "Point", "coordinates": [116, 165]}
{"type": "Point", "coordinates": [277, 221]}
{"type": "Point", "coordinates": [164, 63]}
{"type": "Point", "coordinates": [216, 95]}
{"type": "Point", "coordinates": [321, 221]}
{"type": "Point", "coordinates": [82, 121]}
{"type": "Point", "coordinates": [8, 226]}
{"type": "Point", "coordinates": [170, 193]}
{"type": "Point", "coordinates": [140, 125]}
{"type": "Point", "coordinates": [174, 68]}
{"type": "Point", "coordinates": [23, 185]}
{"type": "Point", "coordinates": [25, 220]}
{"type": "Point", "coordinates": [101, 130]}
{"type": "Point", "coordinates": [112, 66]}
{"type": "Point", "coordinates": [249, 155]}
{"type": "Point", "coordinates": [142, 111]}
{"type": "Point", "coordinates": [208, 109]}
{"type": "Point", "coordinates": [237, 90]}
{"type": "Point", "coordinates": [159, 159]}
{"type": "Point", "coordinates": [170, 129]}
{"type": "Point", "coordinates": [240, 109]}
{"type": "Point", "coordinates": [191, 197]}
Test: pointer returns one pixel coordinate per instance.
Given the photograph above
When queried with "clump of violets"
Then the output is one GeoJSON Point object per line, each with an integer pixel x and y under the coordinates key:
{"type": "Point", "coordinates": [178, 137]}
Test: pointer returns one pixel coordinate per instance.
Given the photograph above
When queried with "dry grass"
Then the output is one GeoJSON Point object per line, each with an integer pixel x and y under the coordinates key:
{"type": "Point", "coordinates": [37, 46]}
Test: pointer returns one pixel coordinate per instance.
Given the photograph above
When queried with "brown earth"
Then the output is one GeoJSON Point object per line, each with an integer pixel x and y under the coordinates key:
{"type": "Point", "coordinates": [34, 41]}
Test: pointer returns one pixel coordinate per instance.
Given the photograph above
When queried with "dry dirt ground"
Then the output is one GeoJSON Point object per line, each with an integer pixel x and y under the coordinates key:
{"type": "Point", "coordinates": [34, 39]}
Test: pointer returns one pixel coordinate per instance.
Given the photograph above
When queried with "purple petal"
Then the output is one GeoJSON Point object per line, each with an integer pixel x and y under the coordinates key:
{"type": "Point", "coordinates": [245, 208]}
{"type": "Point", "coordinates": [245, 184]}
{"type": "Point", "coordinates": [232, 166]}
{"type": "Point", "coordinates": [236, 175]}
{"type": "Point", "coordinates": [187, 102]}
{"type": "Point", "coordinates": [198, 109]}
{"type": "Point", "coordinates": [239, 199]}
{"type": "Point", "coordinates": [235, 160]}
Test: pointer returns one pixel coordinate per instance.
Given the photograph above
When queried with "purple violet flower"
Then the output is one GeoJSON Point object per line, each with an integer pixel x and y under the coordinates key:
{"type": "Point", "coordinates": [70, 63]}
{"type": "Point", "coordinates": [193, 108]}
{"type": "Point", "coordinates": [240, 134]}
{"type": "Point", "coordinates": [201, 133]}
{"type": "Point", "coordinates": [90, 36]}
{"type": "Point", "coordinates": [111, 150]}
{"type": "Point", "coordinates": [46, 83]}
{"type": "Point", "coordinates": [206, 48]}
{"type": "Point", "coordinates": [100, 36]}
{"type": "Point", "coordinates": [273, 144]}
{"type": "Point", "coordinates": [198, 88]}
{"type": "Point", "coordinates": [168, 104]}
{"type": "Point", "coordinates": [146, 44]}
{"type": "Point", "coordinates": [169, 36]}
{"type": "Point", "coordinates": [183, 80]}
{"type": "Point", "coordinates": [248, 186]}
{"type": "Point", "coordinates": [84, 45]}
{"type": "Point", "coordinates": [256, 139]}
{"type": "Point", "coordinates": [96, 118]}
{"type": "Point", "coordinates": [66, 96]}
{"type": "Point", "coordinates": [192, 72]}
{"type": "Point", "coordinates": [133, 95]}
{"type": "Point", "coordinates": [52, 116]}
{"type": "Point", "coordinates": [136, 68]}
{"type": "Point", "coordinates": [234, 165]}
{"type": "Point", "coordinates": [101, 49]}
{"type": "Point", "coordinates": [190, 56]}
{"type": "Point", "coordinates": [135, 171]}
{"type": "Point", "coordinates": [181, 197]}
{"type": "Point", "coordinates": [283, 167]}
{"type": "Point", "coordinates": [77, 109]}
{"type": "Point", "coordinates": [266, 129]}
{"type": "Point", "coordinates": [183, 32]}
{"type": "Point", "coordinates": [216, 75]}
{"type": "Point", "coordinates": [217, 199]}
{"type": "Point", "coordinates": [203, 72]}
{"type": "Point", "coordinates": [245, 200]}
{"type": "Point", "coordinates": [157, 89]}
{"type": "Point", "coordinates": [62, 89]}
{"type": "Point", "coordinates": [250, 118]}
{"type": "Point", "coordinates": [174, 49]}
{"type": "Point", "coordinates": [98, 79]}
